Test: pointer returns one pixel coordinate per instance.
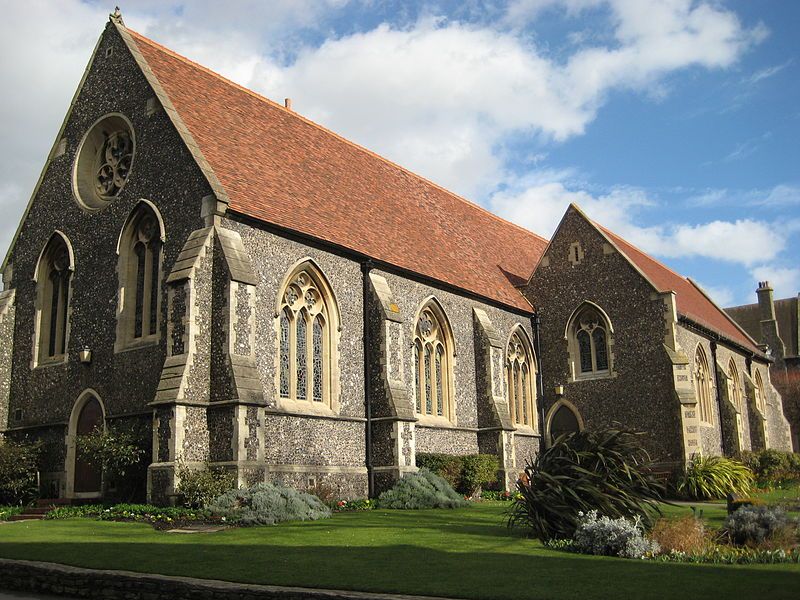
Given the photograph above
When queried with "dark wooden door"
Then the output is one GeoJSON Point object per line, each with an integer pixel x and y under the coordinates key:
{"type": "Point", "coordinates": [564, 421]}
{"type": "Point", "coordinates": [87, 477]}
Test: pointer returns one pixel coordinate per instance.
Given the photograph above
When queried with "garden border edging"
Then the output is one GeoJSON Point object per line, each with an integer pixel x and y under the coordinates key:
{"type": "Point", "coordinates": [55, 578]}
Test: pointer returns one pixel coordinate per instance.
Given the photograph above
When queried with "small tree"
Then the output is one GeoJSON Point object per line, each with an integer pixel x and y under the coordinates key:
{"type": "Point", "coordinates": [18, 467]}
{"type": "Point", "coordinates": [119, 452]}
{"type": "Point", "coordinates": [198, 488]}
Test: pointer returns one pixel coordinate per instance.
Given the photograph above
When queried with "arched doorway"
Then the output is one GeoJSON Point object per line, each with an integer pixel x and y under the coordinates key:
{"type": "Point", "coordinates": [87, 415]}
{"type": "Point", "coordinates": [563, 418]}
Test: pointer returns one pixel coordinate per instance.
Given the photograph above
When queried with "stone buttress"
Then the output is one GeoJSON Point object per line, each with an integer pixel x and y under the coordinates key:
{"type": "Point", "coordinates": [206, 408]}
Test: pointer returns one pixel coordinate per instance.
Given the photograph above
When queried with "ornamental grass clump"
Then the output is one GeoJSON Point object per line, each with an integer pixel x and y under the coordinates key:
{"type": "Point", "coordinates": [421, 490]}
{"type": "Point", "coordinates": [686, 535]}
{"type": "Point", "coordinates": [603, 470]}
{"type": "Point", "coordinates": [267, 504]}
{"type": "Point", "coordinates": [710, 477]}
{"type": "Point", "coordinates": [603, 536]}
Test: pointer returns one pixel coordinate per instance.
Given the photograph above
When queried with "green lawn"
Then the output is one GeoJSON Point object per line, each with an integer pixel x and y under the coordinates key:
{"type": "Point", "coordinates": [465, 553]}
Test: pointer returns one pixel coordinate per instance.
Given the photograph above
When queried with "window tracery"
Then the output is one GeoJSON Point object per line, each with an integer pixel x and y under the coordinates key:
{"type": "Point", "coordinates": [736, 385]}
{"type": "Point", "coordinates": [53, 291]}
{"type": "Point", "coordinates": [140, 277]}
{"type": "Point", "coordinates": [304, 360]}
{"type": "Point", "coordinates": [432, 364]}
{"type": "Point", "coordinates": [702, 386]}
{"type": "Point", "coordinates": [589, 343]}
{"type": "Point", "coordinates": [520, 382]}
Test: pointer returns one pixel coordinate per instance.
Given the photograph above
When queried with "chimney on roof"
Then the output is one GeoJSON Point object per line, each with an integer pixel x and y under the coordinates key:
{"type": "Point", "coordinates": [287, 102]}
{"type": "Point", "coordinates": [765, 301]}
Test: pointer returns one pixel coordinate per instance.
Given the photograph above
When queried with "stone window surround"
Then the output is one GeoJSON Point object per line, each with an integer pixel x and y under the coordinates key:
{"type": "Point", "coordinates": [573, 350]}
{"type": "Point", "coordinates": [126, 309]}
{"type": "Point", "coordinates": [735, 383]}
{"type": "Point", "coordinates": [522, 335]}
{"type": "Point", "coordinates": [42, 317]}
{"type": "Point", "coordinates": [83, 184]}
{"type": "Point", "coordinates": [703, 387]}
{"type": "Point", "coordinates": [447, 342]}
{"type": "Point", "coordinates": [562, 402]}
{"type": "Point", "coordinates": [330, 405]}
{"type": "Point", "coordinates": [760, 394]}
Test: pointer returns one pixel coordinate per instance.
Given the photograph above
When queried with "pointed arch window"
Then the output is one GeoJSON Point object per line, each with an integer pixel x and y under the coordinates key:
{"type": "Point", "coordinates": [432, 363]}
{"type": "Point", "coordinates": [140, 252]}
{"type": "Point", "coordinates": [761, 397]}
{"type": "Point", "coordinates": [521, 381]}
{"type": "Point", "coordinates": [702, 386]}
{"type": "Point", "coordinates": [588, 334]}
{"type": "Point", "coordinates": [306, 339]}
{"type": "Point", "coordinates": [53, 277]}
{"type": "Point", "coordinates": [736, 385]}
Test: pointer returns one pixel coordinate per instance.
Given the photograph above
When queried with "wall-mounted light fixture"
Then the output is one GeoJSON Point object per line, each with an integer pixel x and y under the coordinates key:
{"type": "Point", "coordinates": [86, 355]}
{"type": "Point", "coordinates": [559, 390]}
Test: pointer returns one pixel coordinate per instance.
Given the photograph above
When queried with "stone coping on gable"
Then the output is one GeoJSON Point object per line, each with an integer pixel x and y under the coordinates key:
{"type": "Point", "coordinates": [54, 578]}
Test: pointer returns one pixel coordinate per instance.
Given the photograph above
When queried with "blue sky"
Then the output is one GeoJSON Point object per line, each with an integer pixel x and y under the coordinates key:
{"type": "Point", "coordinates": [675, 123]}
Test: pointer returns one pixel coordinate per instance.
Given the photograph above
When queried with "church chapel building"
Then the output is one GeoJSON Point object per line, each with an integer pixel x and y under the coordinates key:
{"type": "Point", "coordinates": [273, 299]}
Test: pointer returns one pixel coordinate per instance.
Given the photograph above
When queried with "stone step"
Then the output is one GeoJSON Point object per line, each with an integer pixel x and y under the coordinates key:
{"type": "Point", "coordinates": [24, 517]}
{"type": "Point", "coordinates": [49, 502]}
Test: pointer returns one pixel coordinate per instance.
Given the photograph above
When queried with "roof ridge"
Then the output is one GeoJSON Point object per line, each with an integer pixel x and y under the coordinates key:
{"type": "Point", "coordinates": [308, 121]}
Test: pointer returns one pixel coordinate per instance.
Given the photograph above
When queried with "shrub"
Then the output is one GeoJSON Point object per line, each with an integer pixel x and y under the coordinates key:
{"type": "Point", "coordinates": [612, 537]}
{"type": "Point", "coordinates": [605, 470]}
{"type": "Point", "coordinates": [421, 490]}
{"type": "Point", "coordinates": [9, 511]}
{"type": "Point", "coordinates": [477, 471]}
{"type": "Point", "coordinates": [117, 451]}
{"type": "Point", "coordinates": [18, 467]}
{"type": "Point", "coordinates": [129, 512]}
{"type": "Point", "coordinates": [709, 477]}
{"type": "Point", "coordinates": [686, 534]}
{"type": "Point", "coordinates": [771, 467]}
{"type": "Point", "coordinates": [499, 496]}
{"type": "Point", "coordinates": [267, 504]}
{"type": "Point", "coordinates": [731, 555]}
{"type": "Point", "coordinates": [467, 474]}
{"type": "Point", "coordinates": [734, 505]}
{"type": "Point", "coordinates": [198, 487]}
{"type": "Point", "coordinates": [447, 466]}
{"type": "Point", "coordinates": [754, 525]}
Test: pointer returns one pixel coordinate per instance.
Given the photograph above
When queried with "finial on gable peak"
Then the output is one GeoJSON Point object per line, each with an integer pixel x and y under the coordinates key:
{"type": "Point", "coordinates": [116, 17]}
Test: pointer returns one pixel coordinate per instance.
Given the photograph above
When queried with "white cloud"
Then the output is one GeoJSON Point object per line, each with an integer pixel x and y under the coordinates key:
{"type": "Point", "coordinates": [539, 202]}
{"type": "Point", "coordinates": [784, 280]}
{"type": "Point", "coordinates": [722, 295]}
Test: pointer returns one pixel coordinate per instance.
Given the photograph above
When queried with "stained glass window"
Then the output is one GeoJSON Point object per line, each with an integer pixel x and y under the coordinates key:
{"type": "Point", "coordinates": [306, 345]}
{"type": "Point", "coordinates": [55, 305]}
{"type": "Point", "coordinates": [284, 357]}
{"type": "Point", "coordinates": [302, 357]}
{"type": "Point", "coordinates": [601, 355]}
{"type": "Point", "coordinates": [431, 364]}
{"type": "Point", "coordinates": [317, 358]}
{"type": "Point", "coordinates": [439, 383]}
{"type": "Point", "coordinates": [155, 252]}
{"type": "Point", "coordinates": [585, 349]}
{"type": "Point", "coordinates": [519, 365]}
{"type": "Point", "coordinates": [428, 366]}
{"type": "Point", "coordinates": [139, 251]}
{"type": "Point", "coordinates": [52, 291]}
{"type": "Point", "coordinates": [416, 377]}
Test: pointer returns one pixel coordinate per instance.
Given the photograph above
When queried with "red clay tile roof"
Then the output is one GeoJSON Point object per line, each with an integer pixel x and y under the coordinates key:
{"type": "Point", "coordinates": [280, 168]}
{"type": "Point", "coordinates": [691, 302]}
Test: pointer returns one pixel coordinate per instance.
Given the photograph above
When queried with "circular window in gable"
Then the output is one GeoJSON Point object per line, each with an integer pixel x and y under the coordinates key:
{"type": "Point", "coordinates": [103, 163]}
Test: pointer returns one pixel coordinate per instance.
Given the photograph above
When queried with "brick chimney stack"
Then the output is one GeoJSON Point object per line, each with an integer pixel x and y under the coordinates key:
{"type": "Point", "coordinates": [766, 303]}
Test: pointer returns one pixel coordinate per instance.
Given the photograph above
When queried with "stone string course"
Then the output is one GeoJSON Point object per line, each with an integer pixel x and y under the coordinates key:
{"type": "Point", "coordinates": [52, 578]}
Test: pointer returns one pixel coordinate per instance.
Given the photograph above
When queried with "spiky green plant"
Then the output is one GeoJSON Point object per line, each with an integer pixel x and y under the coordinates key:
{"type": "Point", "coordinates": [606, 470]}
{"type": "Point", "coordinates": [709, 477]}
